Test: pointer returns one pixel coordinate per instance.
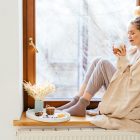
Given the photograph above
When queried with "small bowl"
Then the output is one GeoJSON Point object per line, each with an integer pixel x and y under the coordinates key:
{"type": "Point", "coordinates": [38, 113]}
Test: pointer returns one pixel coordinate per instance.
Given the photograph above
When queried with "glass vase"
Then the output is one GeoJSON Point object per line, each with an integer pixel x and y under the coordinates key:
{"type": "Point", "coordinates": [39, 104]}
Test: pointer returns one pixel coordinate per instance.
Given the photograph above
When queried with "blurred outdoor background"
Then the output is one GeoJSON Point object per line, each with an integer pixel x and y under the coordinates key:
{"type": "Point", "coordinates": [71, 33]}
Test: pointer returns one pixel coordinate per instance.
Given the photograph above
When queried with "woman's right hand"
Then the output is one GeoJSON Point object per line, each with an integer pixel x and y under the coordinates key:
{"type": "Point", "coordinates": [121, 51]}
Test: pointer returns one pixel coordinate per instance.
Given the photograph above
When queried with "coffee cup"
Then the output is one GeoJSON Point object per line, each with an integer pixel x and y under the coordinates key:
{"type": "Point", "coordinates": [50, 110]}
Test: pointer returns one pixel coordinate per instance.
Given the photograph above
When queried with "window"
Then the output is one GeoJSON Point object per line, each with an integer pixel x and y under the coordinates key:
{"type": "Point", "coordinates": [69, 35]}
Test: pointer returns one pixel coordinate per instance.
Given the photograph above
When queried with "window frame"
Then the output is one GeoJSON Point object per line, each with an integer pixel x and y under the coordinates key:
{"type": "Point", "coordinates": [29, 56]}
{"type": "Point", "coordinates": [137, 2]}
{"type": "Point", "coordinates": [28, 51]}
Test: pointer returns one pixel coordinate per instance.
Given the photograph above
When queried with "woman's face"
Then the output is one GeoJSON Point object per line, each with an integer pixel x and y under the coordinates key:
{"type": "Point", "coordinates": [134, 35]}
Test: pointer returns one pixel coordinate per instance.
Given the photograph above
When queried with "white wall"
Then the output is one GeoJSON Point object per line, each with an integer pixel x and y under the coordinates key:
{"type": "Point", "coordinates": [11, 103]}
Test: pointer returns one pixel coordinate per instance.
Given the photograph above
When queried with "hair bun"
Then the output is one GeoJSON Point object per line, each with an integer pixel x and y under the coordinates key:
{"type": "Point", "coordinates": [137, 11]}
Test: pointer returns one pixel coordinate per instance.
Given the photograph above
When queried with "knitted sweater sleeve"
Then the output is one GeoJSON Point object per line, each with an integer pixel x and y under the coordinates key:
{"type": "Point", "coordinates": [122, 62]}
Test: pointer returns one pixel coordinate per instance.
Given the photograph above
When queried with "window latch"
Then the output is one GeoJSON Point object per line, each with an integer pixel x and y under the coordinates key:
{"type": "Point", "coordinates": [31, 43]}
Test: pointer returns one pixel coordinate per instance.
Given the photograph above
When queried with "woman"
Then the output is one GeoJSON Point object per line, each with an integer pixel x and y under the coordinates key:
{"type": "Point", "coordinates": [122, 96]}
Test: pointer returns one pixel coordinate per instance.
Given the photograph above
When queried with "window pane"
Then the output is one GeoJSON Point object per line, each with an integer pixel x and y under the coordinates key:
{"type": "Point", "coordinates": [71, 33]}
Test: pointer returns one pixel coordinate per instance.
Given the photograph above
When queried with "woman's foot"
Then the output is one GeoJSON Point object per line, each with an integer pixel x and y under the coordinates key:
{"type": "Point", "coordinates": [79, 109]}
{"type": "Point", "coordinates": [71, 103]}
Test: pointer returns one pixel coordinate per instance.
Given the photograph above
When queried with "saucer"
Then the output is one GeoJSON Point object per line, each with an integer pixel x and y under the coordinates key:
{"type": "Point", "coordinates": [59, 116]}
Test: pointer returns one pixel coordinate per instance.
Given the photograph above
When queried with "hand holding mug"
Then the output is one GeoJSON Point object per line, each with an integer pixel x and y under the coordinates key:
{"type": "Point", "coordinates": [119, 51]}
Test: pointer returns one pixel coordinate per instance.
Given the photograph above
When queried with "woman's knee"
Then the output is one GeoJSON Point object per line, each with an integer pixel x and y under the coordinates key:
{"type": "Point", "coordinates": [96, 60]}
{"type": "Point", "coordinates": [104, 63]}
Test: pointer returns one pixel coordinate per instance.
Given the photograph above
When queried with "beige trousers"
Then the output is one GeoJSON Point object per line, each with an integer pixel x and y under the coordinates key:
{"type": "Point", "coordinates": [99, 74]}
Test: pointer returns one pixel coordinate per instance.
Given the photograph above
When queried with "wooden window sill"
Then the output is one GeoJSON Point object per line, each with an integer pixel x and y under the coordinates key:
{"type": "Point", "coordinates": [74, 121]}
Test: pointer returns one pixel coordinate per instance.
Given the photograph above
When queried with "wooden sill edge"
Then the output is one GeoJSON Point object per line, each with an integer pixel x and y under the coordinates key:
{"type": "Point", "coordinates": [74, 121]}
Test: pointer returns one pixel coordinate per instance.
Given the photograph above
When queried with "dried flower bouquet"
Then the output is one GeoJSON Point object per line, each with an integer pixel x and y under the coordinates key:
{"type": "Point", "coordinates": [38, 92]}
